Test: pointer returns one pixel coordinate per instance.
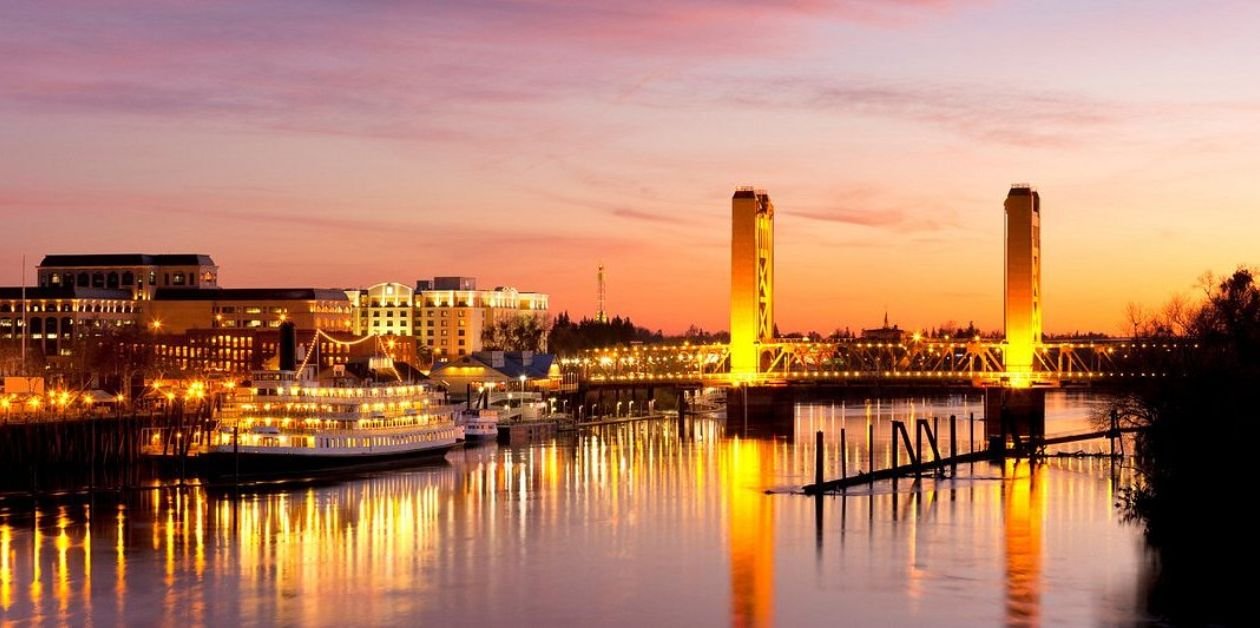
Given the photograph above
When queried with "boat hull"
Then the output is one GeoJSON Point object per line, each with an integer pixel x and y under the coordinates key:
{"type": "Point", "coordinates": [249, 465]}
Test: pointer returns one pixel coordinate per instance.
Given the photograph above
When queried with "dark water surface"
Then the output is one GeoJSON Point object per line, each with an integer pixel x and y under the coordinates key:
{"type": "Point", "coordinates": [644, 524]}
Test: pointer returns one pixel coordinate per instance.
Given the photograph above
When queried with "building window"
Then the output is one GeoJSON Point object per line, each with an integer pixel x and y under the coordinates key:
{"type": "Point", "coordinates": [461, 333]}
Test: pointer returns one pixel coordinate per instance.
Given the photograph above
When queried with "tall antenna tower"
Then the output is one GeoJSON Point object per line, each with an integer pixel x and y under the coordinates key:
{"type": "Point", "coordinates": [601, 315]}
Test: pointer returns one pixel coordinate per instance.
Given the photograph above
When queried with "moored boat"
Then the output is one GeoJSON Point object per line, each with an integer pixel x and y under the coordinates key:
{"type": "Point", "coordinates": [279, 424]}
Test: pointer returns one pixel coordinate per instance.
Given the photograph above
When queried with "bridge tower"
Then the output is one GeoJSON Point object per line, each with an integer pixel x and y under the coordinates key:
{"type": "Point", "coordinates": [752, 278]}
{"type": "Point", "coordinates": [1023, 282]}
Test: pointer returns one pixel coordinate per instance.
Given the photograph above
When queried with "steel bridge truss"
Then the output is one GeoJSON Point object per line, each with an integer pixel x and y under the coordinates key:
{"type": "Point", "coordinates": [978, 361]}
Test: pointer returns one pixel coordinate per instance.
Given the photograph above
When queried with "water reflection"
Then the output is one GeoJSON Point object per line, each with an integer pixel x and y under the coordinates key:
{"type": "Point", "coordinates": [656, 523]}
{"type": "Point", "coordinates": [1023, 503]}
{"type": "Point", "coordinates": [747, 466]}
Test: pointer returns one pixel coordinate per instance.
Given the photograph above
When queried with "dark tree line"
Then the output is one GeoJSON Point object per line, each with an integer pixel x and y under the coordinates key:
{"type": "Point", "coordinates": [1193, 457]}
{"type": "Point", "coordinates": [569, 337]}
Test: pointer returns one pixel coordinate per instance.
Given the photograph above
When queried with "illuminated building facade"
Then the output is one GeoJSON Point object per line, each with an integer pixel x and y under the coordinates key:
{"type": "Point", "coordinates": [239, 351]}
{"type": "Point", "coordinates": [385, 309]}
{"type": "Point", "coordinates": [139, 274]}
{"type": "Point", "coordinates": [1023, 278]}
{"type": "Point", "coordinates": [451, 313]}
{"type": "Point", "coordinates": [176, 311]}
{"type": "Point", "coordinates": [752, 277]}
{"type": "Point", "coordinates": [58, 317]}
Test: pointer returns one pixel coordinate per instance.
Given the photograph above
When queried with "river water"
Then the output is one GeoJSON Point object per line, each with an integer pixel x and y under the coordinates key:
{"type": "Point", "coordinates": [638, 524]}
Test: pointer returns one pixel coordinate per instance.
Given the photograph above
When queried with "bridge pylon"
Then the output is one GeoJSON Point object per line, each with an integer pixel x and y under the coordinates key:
{"type": "Point", "coordinates": [1022, 317]}
{"type": "Point", "coordinates": [752, 279]}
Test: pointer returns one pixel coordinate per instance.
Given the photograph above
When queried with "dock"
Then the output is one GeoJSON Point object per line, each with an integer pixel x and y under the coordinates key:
{"type": "Point", "coordinates": [1023, 448]}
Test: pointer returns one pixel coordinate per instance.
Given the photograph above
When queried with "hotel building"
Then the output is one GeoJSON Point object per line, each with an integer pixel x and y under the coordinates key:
{"type": "Point", "coordinates": [451, 313]}
{"type": "Point", "coordinates": [448, 315]}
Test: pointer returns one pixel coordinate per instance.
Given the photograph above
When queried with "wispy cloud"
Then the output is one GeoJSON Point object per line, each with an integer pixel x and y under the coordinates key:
{"type": "Point", "coordinates": [1011, 115]}
{"type": "Point", "coordinates": [425, 70]}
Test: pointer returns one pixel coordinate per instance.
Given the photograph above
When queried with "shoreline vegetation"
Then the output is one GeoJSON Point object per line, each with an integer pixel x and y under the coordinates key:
{"type": "Point", "coordinates": [1193, 451]}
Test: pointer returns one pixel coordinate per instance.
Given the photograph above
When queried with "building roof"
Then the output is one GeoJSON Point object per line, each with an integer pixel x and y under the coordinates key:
{"type": "Point", "coordinates": [126, 259]}
{"type": "Point", "coordinates": [63, 292]}
{"type": "Point", "coordinates": [249, 294]}
{"type": "Point", "coordinates": [510, 366]}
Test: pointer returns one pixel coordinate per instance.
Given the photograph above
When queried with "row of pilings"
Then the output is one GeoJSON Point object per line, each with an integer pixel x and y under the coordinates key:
{"type": "Point", "coordinates": [101, 452]}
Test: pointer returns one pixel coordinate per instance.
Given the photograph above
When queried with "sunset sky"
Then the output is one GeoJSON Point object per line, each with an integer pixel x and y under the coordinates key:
{"type": "Point", "coordinates": [342, 143]}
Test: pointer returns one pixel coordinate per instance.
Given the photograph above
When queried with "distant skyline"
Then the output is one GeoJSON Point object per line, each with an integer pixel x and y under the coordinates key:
{"type": "Point", "coordinates": [339, 144]}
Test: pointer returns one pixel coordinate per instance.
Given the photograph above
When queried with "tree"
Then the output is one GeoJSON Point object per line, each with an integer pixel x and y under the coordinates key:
{"type": "Point", "coordinates": [567, 337]}
{"type": "Point", "coordinates": [1186, 457]}
{"type": "Point", "coordinates": [518, 333]}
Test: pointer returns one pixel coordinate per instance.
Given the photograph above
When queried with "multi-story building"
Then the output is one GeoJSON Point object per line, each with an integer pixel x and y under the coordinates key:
{"type": "Point", "coordinates": [138, 273]}
{"type": "Point", "coordinates": [448, 315]}
{"type": "Point", "coordinates": [241, 350]}
{"type": "Point", "coordinates": [176, 311]}
{"type": "Point", "coordinates": [58, 317]}
{"type": "Point", "coordinates": [451, 313]}
{"type": "Point", "coordinates": [385, 309]}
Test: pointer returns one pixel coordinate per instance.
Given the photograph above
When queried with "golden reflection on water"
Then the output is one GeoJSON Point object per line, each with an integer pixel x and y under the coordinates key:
{"type": "Point", "coordinates": [1023, 506]}
{"type": "Point", "coordinates": [375, 547]}
{"type": "Point", "coordinates": [747, 467]}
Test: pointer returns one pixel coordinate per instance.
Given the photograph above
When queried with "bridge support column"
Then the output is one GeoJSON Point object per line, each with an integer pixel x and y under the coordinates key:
{"type": "Point", "coordinates": [1018, 411]}
{"type": "Point", "coordinates": [760, 410]}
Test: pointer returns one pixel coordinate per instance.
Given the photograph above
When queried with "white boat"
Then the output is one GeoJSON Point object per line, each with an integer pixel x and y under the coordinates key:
{"type": "Point", "coordinates": [279, 424]}
{"type": "Point", "coordinates": [480, 424]}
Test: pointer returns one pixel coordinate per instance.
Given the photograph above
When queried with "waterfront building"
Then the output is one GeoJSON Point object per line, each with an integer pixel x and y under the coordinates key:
{"type": "Point", "coordinates": [451, 313]}
{"type": "Point", "coordinates": [138, 273]}
{"type": "Point", "coordinates": [240, 351]}
{"type": "Point", "coordinates": [59, 317]}
{"type": "Point", "coordinates": [385, 309]}
{"type": "Point", "coordinates": [176, 311]}
{"type": "Point", "coordinates": [503, 369]}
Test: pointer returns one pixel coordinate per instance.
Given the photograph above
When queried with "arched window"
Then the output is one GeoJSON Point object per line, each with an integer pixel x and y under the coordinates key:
{"type": "Point", "coordinates": [83, 280]}
{"type": "Point", "coordinates": [128, 279]}
{"type": "Point", "coordinates": [67, 327]}
{"type": "Point", "coordinates": [98, 280]}
{"type": "Point", "coordinates": [37, 326]}
{"type": "Point", "coordinates": [111, 281]}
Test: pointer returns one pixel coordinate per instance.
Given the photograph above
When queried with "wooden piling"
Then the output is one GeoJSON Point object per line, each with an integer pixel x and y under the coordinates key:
{"type": "Point", "coordinates": [971, 439]}
{"type": "Point", "coordinates": [896, 455]}
{"type": "Point", "coordinates": [953, 436]}
{"type": "Point", "coordinates": [870, 451]}
{"type": "Point", "coordinates": [818, 457]}
{"type": "Point", "coordinates": [844, 455]}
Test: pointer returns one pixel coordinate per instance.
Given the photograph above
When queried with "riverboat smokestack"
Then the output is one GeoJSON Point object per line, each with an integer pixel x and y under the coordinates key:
{"type": "Point", "coordinates": [288, 346]}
